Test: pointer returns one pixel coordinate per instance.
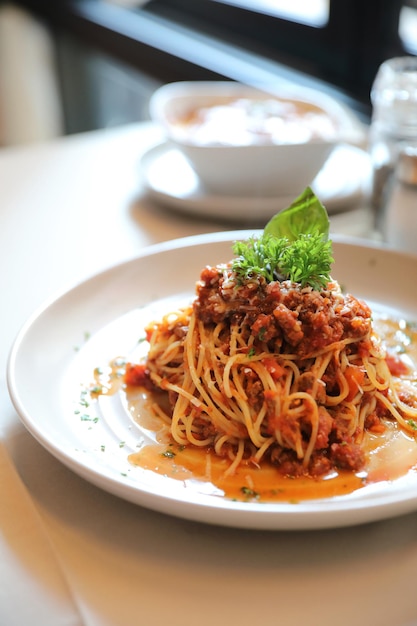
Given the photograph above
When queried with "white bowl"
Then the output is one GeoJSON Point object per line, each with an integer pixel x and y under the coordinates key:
{"type": "Point", "coordinates": [283, 159]}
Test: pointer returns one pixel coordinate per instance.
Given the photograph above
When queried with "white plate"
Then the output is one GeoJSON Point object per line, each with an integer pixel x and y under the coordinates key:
{"type": "Point", "coordinates": [51, 358]}
{"type": "Point", "coordinates": [169, 179]}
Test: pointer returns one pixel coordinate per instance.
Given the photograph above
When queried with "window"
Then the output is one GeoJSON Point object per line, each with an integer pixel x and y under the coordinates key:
{"type": "Point", "coordinates": [408, 28]}
{"type": "Point", "coordinates": [339, 42]}
{"type": "Point", "coordinates": [311, 12]}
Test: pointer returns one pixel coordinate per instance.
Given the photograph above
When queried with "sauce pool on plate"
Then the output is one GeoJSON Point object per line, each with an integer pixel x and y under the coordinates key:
{"type": "Point", "coordinates": [390, 454]}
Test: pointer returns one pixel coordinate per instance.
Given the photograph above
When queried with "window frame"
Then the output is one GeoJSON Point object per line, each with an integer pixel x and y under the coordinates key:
{"type": "Point", "coordinates": [342, 52]}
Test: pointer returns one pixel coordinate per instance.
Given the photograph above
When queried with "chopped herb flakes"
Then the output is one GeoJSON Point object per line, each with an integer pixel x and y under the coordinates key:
{"type": "Point", "coordinates": [249, 493]}
{"type": "Point", "coordinates": [168, 454]}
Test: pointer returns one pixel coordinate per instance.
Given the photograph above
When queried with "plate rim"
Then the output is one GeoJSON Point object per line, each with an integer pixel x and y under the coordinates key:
{"type": "Point", "coordinates": [276, 516]}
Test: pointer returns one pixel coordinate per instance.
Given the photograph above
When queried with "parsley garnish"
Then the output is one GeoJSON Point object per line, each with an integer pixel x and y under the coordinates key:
{"type": "Point", "coordinates": [294, 246]}
{"type": "Point", "coordinates": [258, 257]}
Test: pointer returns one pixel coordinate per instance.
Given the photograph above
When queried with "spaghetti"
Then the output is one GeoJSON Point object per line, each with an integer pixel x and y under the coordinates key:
{"type": "Point", "coordinates": [273, 371]}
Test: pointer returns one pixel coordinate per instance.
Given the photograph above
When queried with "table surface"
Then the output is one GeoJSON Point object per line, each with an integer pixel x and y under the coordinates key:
{"type": "Point", "coordinates": [69, 209]}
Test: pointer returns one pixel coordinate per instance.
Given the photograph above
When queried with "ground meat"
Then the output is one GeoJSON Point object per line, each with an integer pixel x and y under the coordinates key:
{"type": "Point", "coordinates": [263, 328]}
{"type": "Point", "coordinates": [319, 465]}
{"type": "Point", "coordinates": [347, 456]}
{"type": "Point", "coordinates": [219, 297]}
{"type": "Point", "coordinates": [289, 323]}
{"type": "Point", "coordinates": [308, 382]}
{"type": "Point", "coordinates": [254, 390]}
{"type": "Point", "coordinates": [206, 429]}
{"type": "Point", "coordinates": [373, 423]}
{"type": "Point", "coordinates": [325, 428]}
{"type": "Point", "coordinates": [299, 320]}
{"type": "Point", "coordinates": [287, 463]}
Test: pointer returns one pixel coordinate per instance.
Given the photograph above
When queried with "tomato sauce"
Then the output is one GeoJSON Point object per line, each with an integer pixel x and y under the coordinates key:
{"type": "Point", "coordinates": [390, 454]}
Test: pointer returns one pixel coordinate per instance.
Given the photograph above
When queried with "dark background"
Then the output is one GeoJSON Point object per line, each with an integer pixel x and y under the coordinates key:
{"type": "Point", "coordinates": [107, 50]}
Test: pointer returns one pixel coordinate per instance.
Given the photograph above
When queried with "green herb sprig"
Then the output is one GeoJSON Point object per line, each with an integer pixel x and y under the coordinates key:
{"type": "Point", "coordinates": [258, 256]}
{"type": "Point", "coordinates": [294, 245]}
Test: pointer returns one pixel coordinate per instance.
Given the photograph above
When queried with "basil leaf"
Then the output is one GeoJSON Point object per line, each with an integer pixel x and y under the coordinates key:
{"type": "Point", "coordinates": [306, 215]}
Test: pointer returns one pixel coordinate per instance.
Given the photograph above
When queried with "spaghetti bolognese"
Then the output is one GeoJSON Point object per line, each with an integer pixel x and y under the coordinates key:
{"type": "Point", "coordinates": [273, 363]}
